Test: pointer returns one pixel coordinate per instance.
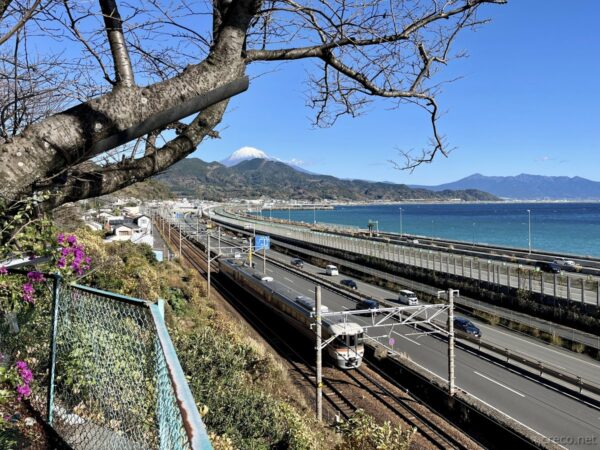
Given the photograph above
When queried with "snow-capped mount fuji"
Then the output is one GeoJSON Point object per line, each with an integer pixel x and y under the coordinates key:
{"type": "Point", "coordinates": [244, 154]}
{"type": "Point", "coordinates": [248, 153]}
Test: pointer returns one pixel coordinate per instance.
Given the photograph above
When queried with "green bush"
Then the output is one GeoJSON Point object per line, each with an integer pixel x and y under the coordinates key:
{"type": "Point", "coordinates": [361, 432]}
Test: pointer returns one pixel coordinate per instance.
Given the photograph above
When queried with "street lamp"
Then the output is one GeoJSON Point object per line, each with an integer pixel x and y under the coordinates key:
{"type": "Point", "coordinates": [529, 222]}
{"type": "Point", "coordinates": [401, 233]}
{"type": "Point", "coordinates": [314, 213]}
{"type": "Point", "coordinates": [473, 234]}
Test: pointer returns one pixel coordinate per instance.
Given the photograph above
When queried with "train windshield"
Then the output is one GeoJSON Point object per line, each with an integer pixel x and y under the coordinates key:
{"type": "Point", "coordinates": [351, 340]}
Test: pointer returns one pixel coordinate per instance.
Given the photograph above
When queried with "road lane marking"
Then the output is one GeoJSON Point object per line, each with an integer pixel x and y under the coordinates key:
{"type": "Point", "coordinates": [287, 279]}
{"type": "Point", "coordinates": [404, 337]}
{"type": "Point", "coordinates": [499, 384]}
{"type": "Point", "coordinates": [543, 347]}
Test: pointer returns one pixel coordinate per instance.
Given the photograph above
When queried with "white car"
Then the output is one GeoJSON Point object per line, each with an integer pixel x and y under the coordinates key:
{"type": "Point", "coordinates": [265, 278]}
{"type": "Point", "coordinates": [237, 255]}
{"type": "Point", "coordinates": [408, 298]}
{"type": "Point", "coordinates": [331, 270]}
{"type": "Point", "coordinates": [565, 263]}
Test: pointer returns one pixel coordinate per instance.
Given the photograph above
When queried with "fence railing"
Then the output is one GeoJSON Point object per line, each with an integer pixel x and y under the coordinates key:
{"type": "Point", "coordinates": [110, 378]}
{"type": "Point", "coordinates": [564, 286]}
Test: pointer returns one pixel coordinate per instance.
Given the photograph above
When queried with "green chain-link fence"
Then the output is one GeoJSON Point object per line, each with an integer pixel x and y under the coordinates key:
{"type": "Point", "coordinates": [113, 380]}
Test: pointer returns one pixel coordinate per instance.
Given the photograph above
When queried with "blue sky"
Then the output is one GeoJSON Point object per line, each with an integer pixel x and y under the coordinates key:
{"type": "Point", "coordinates": [528, 102]}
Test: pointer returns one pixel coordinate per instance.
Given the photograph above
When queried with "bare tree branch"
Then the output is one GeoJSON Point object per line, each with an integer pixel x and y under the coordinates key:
{"type": "Point", "coordinates": [118, 46]}
{"type": "Point", "coordinates": [17, 26]}
{"type": "Point", "coordinates": [390, 49]}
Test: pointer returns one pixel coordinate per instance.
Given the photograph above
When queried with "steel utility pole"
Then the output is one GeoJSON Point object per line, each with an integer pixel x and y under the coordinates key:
{"type": "Point", "coordinates": [451, 387]}
{"type": "Point", "coordinates": [319, 354]}
{"type": "Point", "coordinates": [529, 222]}
{"type": "Point", "coordinates": [208, 263]}
{"type": "Point", "coordinates": [219, 237]}
{"type": "Point", "coordinates": [264, 260]}
{"type": "Point", "coordinates": [401, 233]}
{"type": "Point", "coordinates": [180, 241]}
{"type": "Point", "coordinates": [450, 293]}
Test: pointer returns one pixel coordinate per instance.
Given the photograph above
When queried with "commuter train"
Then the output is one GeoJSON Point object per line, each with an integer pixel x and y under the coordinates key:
{"type": "Point", "coordinates": [346, 349]}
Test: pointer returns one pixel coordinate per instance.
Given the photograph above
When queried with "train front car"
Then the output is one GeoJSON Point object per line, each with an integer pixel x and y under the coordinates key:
{"type": "Point", "coordinates": [347, 349]}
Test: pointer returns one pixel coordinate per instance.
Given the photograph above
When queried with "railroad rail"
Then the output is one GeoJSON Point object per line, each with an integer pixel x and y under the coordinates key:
{"type": "Point", "coordinates": [344, 406]}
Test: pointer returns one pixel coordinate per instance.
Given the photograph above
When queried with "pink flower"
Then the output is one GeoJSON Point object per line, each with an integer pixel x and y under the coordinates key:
{"type": "Point", "coordinates": [60, 238]}
{"type": "Point", "coordinates": [36, 277]}
{"type": "Point", "coordinates": [3, 270]}
{"type": "Point", "coordinates": [72, 239]}
{"type": "Point", "coordinates": [28, 291]}
{"type": "Point", "coordinates": [24, 372]}
{"type": "Point", "coordinates": [23, 390]}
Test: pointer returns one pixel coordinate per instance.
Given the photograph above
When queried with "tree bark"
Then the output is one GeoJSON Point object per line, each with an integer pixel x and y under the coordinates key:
{"type": "Point", "coordinates": [44, 149]}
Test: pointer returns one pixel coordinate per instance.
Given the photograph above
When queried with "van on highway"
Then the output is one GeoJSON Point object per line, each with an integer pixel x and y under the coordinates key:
{"type": "Point", "coordinates": [331, 270]}
{"type": "Point", "coordinates": [407, 297]}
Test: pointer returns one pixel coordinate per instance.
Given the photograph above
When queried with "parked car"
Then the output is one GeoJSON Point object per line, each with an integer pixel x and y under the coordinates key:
{"type": "Point", "coordinates": [237, 255]}
{"type": "Point", "coordinates": [466, 328]}
{"type": "Point", "coordinates": [349, 283]}
{"type": "Point", "coordinates": [546, 266]}
{"type": "Point", "coordinates": [331, 270]}
{"type": "Point", "coordinates": [367, 304]}
{"type": "Point", "coordinates": [407, 297]}
{"type": "Point", "coordinates": [297, 262]}
{"type": "Point", "coordinates": [567, 264]}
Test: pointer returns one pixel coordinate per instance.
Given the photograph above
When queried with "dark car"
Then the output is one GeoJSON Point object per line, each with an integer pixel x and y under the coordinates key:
{"type": "Point", "coordinates": [297, 262]}
{"type": "Point", "coordinates": [466, 327]}
{"type": "Point", "coordinates": [367, 304]}
{"type": "Point", "coordinates": [349, 283]}
{"type": "Point", "coordinates": [546, 266]}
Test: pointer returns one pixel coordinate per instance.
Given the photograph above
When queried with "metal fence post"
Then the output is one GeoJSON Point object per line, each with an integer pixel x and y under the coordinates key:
{"type": "Point", "coordinates": [583, 291]}
{"type": "Point", "coordinates": [52, 369]}
{"type": "Point", "coordinates": [569, 288]}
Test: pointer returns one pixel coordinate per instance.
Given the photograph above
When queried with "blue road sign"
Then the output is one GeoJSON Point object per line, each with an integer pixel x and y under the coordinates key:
{"type": "Point", "coordinates": [262, 242]}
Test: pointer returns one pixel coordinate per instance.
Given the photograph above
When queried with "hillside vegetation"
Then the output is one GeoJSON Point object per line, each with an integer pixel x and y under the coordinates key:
{"type": "Point", "coordinates": [259, 177]}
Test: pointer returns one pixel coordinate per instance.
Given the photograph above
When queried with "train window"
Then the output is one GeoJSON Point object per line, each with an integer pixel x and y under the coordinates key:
{"type": "Point", "coordinates": [352, 340]}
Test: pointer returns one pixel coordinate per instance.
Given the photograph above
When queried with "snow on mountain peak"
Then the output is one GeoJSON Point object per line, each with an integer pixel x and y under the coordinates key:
{"type": "Point", "coordinates": [243, 154]}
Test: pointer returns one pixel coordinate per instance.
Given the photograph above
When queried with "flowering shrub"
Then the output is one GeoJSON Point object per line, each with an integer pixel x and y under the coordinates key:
{"type": "Point", "coordinates": [15, 382]}
{"type": "Point", "coordinates": [24, 303]}
{"type": "Point", "coordinates": [72, 258]}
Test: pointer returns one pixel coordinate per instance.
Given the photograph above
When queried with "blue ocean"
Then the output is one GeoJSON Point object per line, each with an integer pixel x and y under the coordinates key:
{"type": "Point", "coordinates": [571, 228]}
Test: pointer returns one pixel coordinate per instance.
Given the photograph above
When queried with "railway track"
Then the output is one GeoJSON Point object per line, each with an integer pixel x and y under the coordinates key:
{"type": "Point", "coordinates": [303, 370]}
{"type": "Point", "coordinates": [338, 401]}
{"type": "Point", "coordinates": [401, 406]}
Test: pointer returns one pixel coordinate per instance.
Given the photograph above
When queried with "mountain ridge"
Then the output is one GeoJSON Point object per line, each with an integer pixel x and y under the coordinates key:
{"type": "Point", "coordinates": [259, 177]}
{"type": "Point", "coordinates": [527, 186]}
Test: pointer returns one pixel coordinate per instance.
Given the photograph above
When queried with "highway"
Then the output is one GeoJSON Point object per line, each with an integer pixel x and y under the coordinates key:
{"type": "Point", "coordinates": [543, 409]}
{"type": "Point", "coordinates": [496, 266]}
{"type": "Point", "coordinates": [569, 362]}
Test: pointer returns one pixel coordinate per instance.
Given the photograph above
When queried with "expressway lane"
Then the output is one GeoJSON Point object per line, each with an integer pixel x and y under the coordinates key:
{"type": "Point", "coordinates": [540, 408]}
{"type": "Point", "coordinates": [573, 363]}
{"type": "Point", "coordinates": [570, 362]}
{"type": "Point", "coordinates": [546, 411]}
{"type": "Point", "coordinates": [472, 266]}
